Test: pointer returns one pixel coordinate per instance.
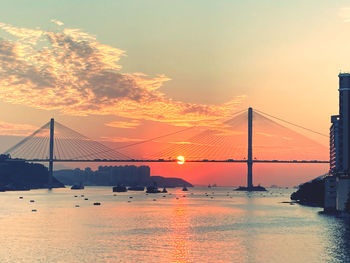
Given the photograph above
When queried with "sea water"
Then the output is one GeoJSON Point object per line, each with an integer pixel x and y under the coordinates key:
{"type": "Point", "coordinates": [201, 225]}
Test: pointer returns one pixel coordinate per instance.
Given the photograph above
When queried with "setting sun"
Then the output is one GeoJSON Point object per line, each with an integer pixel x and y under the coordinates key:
{"type": "Point", "coordinates": [180, 159]}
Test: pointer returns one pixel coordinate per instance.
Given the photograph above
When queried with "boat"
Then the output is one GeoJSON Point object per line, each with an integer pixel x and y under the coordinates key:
{"type": "Point", "coordinates": [209, 186]}
{"type": "Point", "coordinates": [77, 186]}
{"type": "Point", "coordinates": [184, 188]}
{"type": "Point", "coordinates": [136, 188]}
{"type": "Point", "coordinates": [119, 188]}
{"type": "Point", "coordinates": [251, 189]}
{"type": "Point", "coordinates": [152, 189]}
{"type": "Point", "coordinates": [15, 187]}
{"type": "Point", "coordinates": [164, 190]}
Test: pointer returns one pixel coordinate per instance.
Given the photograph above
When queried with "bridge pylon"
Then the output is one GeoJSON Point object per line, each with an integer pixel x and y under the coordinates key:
{"type": "Point", "coordinates": [250, 149]}
{"type": "Point", "coordinates": [52, 131]}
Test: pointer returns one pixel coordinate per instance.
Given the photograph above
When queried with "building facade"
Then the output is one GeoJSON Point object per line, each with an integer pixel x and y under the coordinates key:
{"type": "Point", "coordinates": [337, 186]}
{"type": "Point", "coordinates": [344, 121]}
{"type": "Point", "coordinates": [335, 152]}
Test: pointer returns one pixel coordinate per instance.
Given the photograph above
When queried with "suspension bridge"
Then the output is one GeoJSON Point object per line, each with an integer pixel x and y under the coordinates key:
{"type": "Point", "coordinates": [229, 142]}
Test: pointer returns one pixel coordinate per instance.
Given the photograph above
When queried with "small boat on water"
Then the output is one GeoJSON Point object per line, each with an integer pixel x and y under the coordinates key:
{"type": "Point", "coordinates": [184, 188]}
{"type": "Point", "coordinates": [164, 190]}
{"type": "Point", "coordinates": [251, 189]}
{"type": "Point", "coordinates": [152, 189]}
{"type": "Point", "coordinates": [136, 188]}
{"type": "Point", "coordinates": [77, 186]}
{"type": "Point", "coordinates": [119, 188]}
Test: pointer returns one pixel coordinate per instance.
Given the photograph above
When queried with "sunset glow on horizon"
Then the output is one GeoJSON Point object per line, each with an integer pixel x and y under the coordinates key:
{"type": "Point", "coordinates": [125, 81]}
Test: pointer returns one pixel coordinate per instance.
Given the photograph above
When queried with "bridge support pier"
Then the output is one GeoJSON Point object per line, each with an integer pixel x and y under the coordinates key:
{"type": "Point", "coordinates": [52, 123]}
{"type": "Point", "coordinates": [250, 150]}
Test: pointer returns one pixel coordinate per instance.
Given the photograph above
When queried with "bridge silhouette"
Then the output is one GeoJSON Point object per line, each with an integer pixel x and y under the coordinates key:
{"type": "Point", "coordinates": [232, 141]}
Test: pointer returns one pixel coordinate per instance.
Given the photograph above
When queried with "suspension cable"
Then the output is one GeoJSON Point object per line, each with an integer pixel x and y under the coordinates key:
{"type": "Point", "coordinates": [293, 124]}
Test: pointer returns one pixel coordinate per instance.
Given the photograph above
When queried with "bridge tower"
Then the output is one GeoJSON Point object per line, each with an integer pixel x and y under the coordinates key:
{"type": "Point", "coordinates": [250, 149]}
{"type": "Point", "coordinates": [52, 129]}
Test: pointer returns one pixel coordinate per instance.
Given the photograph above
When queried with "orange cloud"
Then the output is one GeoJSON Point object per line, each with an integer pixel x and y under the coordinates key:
{"type": "Point", "coordinates": [124, 124]}
{"type": "Point", "coordinates": [70, 71]}
{"type": "Point", "coordinates": [15, 129]}
{"type": "Point", "coordinates": [120, 139]}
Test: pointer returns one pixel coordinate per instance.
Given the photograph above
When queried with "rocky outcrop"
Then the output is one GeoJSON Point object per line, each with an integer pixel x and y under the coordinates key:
{"type": "Point", "coordinates": [310, 193]}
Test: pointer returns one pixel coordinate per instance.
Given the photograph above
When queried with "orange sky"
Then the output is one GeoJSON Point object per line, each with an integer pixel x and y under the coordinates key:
{"type": "Point", "coordinates": [143, 69]}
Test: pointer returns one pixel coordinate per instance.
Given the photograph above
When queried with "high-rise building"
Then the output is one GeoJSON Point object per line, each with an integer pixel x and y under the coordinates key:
{"type": "Point", "coordinates": [331, 182]}
{"type": "Point", "coordinates": [335, 153]}
{"type": "Point", "coordinates": [344, 122]}
{"type": "Point", "coordinates": [337, 184]}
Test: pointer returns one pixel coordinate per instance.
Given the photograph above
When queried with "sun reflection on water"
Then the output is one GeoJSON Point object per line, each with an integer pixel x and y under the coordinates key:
{"type": "Point", "coordinates": [180, 231]}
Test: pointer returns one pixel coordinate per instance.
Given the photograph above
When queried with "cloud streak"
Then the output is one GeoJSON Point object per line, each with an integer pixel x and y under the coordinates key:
{"type": "Point", "coordinates": [120, 139]}
{"type": "Point", "coordinates": [124, 124]}
{"type": "Point", "coordinates": [57, 22]}
{"type": "Point", "coordinates": [344, 14]}
{"type": "Point", "coordinates": [72, 72]}
{"type": "Point", "coordinates": [15, 129]}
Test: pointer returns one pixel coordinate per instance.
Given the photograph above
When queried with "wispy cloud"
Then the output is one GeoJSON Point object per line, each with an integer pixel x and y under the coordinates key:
{"type": "Point", "coordinates": [15, 129]}
{"type": "Point", "coordinates": [344, 13]}
{"type": "Point", "coordinates": [123, 124]}
{"type": "Point", "coordinates": [57, 22]}
{"type": "Point", "coordinates": [71, 71]}
{"type": "Point", "coordinates": [121, 139]}
{"type": "Point", "coordinates": [266, 134]}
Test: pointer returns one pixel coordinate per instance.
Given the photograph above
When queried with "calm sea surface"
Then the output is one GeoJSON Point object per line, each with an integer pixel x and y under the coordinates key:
{"type": "Point", "coordinates": [224, 226]}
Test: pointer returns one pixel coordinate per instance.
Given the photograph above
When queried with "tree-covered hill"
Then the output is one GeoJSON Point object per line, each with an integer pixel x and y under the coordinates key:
{"type": "Point", "coordinates": [20, 175]}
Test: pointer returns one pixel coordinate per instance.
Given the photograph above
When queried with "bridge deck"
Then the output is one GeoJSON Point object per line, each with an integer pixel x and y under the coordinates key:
{"type": "Point", "coordinates": [175, 160]}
